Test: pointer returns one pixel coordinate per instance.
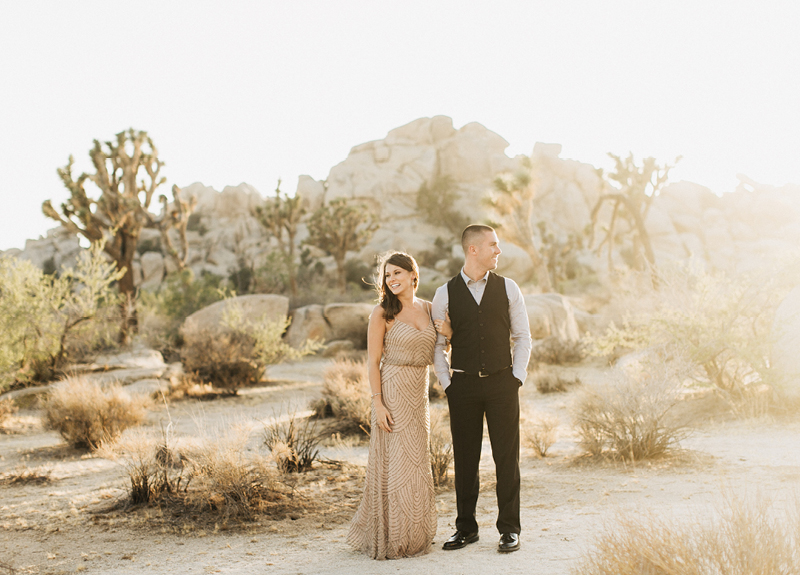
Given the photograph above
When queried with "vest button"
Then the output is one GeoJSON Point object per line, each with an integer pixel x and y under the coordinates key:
{"type": "Point", "coordinates": [481, 325]}
{"type": "Point", "coordinates": [481, 338]}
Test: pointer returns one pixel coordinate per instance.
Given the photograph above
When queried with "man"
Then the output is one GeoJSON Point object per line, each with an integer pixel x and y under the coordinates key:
{"type": "Point", "coordinates": [491, 346]}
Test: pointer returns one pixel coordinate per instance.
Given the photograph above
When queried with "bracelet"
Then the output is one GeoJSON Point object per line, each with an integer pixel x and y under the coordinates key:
{"type": "Point", "coordinates": [374, 394]}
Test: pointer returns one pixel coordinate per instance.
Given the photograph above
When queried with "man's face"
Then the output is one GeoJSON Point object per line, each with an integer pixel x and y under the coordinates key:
{"type": "Point", "coordinates": [487, 250]}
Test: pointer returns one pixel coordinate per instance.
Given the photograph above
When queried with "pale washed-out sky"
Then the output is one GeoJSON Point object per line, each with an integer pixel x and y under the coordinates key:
{"type": "Point", "coordinates": [240, 91]}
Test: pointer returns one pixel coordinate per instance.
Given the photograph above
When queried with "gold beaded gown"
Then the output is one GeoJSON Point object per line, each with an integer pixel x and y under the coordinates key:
{"type": "Point", "coordinates": [397, 514]}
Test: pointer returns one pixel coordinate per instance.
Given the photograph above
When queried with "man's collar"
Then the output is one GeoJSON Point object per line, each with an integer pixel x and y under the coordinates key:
{"type": "Point", "coordinates": [468, 280]}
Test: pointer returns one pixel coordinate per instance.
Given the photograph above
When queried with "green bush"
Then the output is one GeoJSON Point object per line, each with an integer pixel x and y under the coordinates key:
{"type": "Point", "coordinates": [45, 318]}
{"type": "Point", "coordinates": [719, 324]}
{"type": "Point", "coordinates": [238, 355]}
{"type": "Point", "coordinates": [162, 312]}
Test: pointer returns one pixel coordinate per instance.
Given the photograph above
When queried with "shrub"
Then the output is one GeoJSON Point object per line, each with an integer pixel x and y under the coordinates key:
{"type": "Point", "coordinates": [441, 446]}
{"type": "Point", "coordinates": [346, 396]}
{"type": "Point", "coordinates": [744, 538]}
{"type": "Point", "coordinates": [228, 478]}
{"type": "Point", "coordinates": [162, 312]}
{"type": "Point", "coordinates": [628, 419]}
{"type": "Point", "coordinates": [153, 464]}
{"type": "Point", "coordinates": [190, 385]}
{"type": "Point", "coordinates": [239, 355]}
{"type": "Point", "coordinates": [720, 324]}
{"type": "Point", "coordinates": [540, 434]}
{"type": "Point", "coordinates": [86, 414]}
{"type": "Point", "coordinates": [208, 472]}
{"type": "Point", "coordinates": [549, 382]}
{"type": "Point", "coordinates": [225, 360]}
{"type": "Point", "coordinates": [294, 444]}
{"type": "Point", "coordinates": [42, 315]}
{"type": "Point", "coordinates": [555, 351]}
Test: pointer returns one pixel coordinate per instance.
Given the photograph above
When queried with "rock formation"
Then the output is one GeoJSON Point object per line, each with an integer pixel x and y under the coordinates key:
{"type": "Point", "coordinates": [735, 231]}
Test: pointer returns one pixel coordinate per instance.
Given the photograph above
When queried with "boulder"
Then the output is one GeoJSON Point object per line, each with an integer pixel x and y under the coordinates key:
{"type": "Point", "coordinates": [349, 321]}
{"type": "Point", "coordinates": [551, 315]}
{"type": "Point", "coordinates": [308, 322]}
{"type": "Point", "coordinates": [785, 335]}
{"type": "Point", "coordinates": [514, 262]}
{"type": "Point", "coordinates": [257, 307]}
{"type": "Point", "coordinates": [152, 269]}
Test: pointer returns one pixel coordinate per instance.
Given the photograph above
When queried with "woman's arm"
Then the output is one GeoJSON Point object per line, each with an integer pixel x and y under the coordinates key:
{"type": "Point", "coordinates": [375, 334]}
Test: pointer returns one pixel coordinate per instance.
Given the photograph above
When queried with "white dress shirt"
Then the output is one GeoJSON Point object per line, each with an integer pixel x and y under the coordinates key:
{"type": "Point", "coordinates": [520, 328]}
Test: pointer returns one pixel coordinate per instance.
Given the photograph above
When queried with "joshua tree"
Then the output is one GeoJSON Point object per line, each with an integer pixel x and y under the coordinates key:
{"type": "Point", "coordinates": [122, 208]}
{"type": "Point", "coordinates": [512, 199]}
{"type": "Point", "coordinates": [636, 188]}
{"type": "Point", "coordinates": [278, 215]}
{"type": "Point", "coordinates": [340, 227]}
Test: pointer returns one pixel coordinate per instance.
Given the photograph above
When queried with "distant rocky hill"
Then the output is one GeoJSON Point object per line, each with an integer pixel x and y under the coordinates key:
{"type": "Point", "coordinates": [735, 231]}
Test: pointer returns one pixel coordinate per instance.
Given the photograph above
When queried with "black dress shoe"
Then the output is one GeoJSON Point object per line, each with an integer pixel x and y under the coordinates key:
{"type": "Point", "coordinates": [460, 539]}
{"type": "Point", "coordinates": [508, 542]}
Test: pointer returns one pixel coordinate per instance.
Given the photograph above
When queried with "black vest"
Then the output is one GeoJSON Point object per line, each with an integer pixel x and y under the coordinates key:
{"type": "Point", "coordinates": [481, 339]}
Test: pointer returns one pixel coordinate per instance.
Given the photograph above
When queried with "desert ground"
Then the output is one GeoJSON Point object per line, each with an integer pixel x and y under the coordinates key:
{"type": "Point", "coordinates": [75, 522]}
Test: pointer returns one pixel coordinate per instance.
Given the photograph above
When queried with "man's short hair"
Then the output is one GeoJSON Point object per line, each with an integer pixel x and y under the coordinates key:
{"type": "Point", "coordinates": [471, 232]}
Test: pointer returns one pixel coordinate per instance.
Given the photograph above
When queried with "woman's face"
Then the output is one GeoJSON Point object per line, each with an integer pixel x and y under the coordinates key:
{"type": "Point", "coordinates": [398, 280]}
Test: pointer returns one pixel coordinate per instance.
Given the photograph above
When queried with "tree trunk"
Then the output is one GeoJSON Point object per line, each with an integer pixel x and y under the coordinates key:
{"type": "Point", "coordinates": [291, 266]}
{"type": "Point", "coordinates": [342, 275]}
{"type": "Point", "coordinates": [127, 289]}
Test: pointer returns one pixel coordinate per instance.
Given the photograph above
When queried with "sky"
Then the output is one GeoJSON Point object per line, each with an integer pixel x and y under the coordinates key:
{"type": "Point", "coordinates": [254, 91]}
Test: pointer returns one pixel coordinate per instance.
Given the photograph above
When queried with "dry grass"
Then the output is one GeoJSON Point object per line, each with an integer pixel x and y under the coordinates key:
{"type": "Point", "coordinates": [152, 461]}
{"type": "Point", "coordinates": [210, 476]}
{"type": "Point", "coordinates": [86, 413]}
{"type": "Point", "coordinates": [27, 476]}
{"type": "Point", "coordinates": [293, 441]}
{"type": "Point", "coordinates": [550, 382]}
{"type": "Point", "coordinates": [540, 432]}
{"type": "Point", "coordinates": [555, 351]}
{"type": "Point", "coordinates": [345, 396]}
{"type": "Point", "coordinates": [229, 479]}
{"type": "Point", "coordinates": [7, 409]}
{"type": "Point", "coordinates": [441, 446]}
{"type": "Point", "coordinates": [628, 419]}
{"type": "Point", "coordinates": [191, 386]}
{"type": "Point", "coordinates": [745, 538]}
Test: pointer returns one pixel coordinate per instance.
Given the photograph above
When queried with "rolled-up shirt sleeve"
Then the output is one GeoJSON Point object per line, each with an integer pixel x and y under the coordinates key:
{"type": "Point", "coordinates": [441, 363]}
{"type": "Point", "coordinates": [520, 331]}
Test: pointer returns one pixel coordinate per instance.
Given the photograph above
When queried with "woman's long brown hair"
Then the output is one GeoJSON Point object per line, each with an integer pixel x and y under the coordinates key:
{"type": "Point", "coordinates": [389, 302]}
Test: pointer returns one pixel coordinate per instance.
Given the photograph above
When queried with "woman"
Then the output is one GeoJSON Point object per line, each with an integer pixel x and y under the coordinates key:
{"type": "Point", "coordinates": [397, 514]}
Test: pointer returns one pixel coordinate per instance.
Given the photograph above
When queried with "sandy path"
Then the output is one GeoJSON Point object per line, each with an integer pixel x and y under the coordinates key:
{"type": "Point", "coordinates": [48, 528]}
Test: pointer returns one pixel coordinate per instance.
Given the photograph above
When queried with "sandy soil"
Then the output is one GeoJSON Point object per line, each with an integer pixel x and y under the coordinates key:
{"type": "Point", "coordinates": [56, 527]}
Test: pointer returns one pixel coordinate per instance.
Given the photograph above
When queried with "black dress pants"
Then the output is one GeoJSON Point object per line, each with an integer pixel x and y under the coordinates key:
{"type": "Point", "coordinates": [496, 397]}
